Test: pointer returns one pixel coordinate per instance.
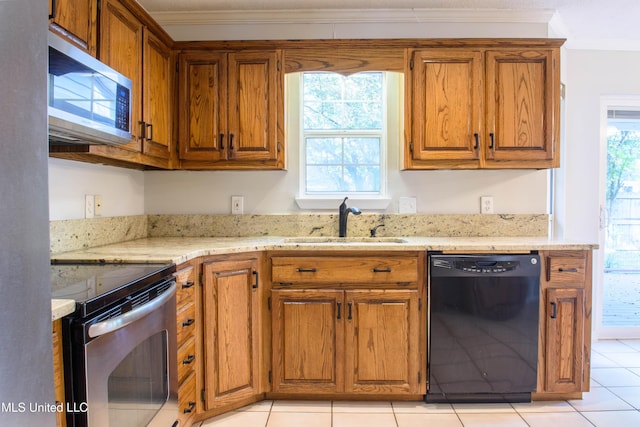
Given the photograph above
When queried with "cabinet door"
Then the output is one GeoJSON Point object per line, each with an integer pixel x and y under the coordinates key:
{"type": "Point", "coordinates": [565, 335]}
{"type": "Point", "coordinates": [253, 105]}
{"type": "Point", "coordinates": [447, 106]}
{"type": "Point", "coordinates": [121, 48]}
{"type": "Point", "coordinates": [522, 107]}
{"type": "Point", "coordinates": [158, 81]}
{"type": "Point", "coordinates": [58, 372]}
{"type": "Point", "coordinates": [76, 21]}
{"type": "Point", "coordinates": [231, 331]}
{"type": "Point", "coordinates": [203, 106]}
{"type": "Point", "coordinates": [307, 341]}
{"type": "Point", "coordinates": [382, 331]}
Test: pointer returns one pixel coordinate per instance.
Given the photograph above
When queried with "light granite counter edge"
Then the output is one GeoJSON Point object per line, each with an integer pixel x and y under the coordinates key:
{"type": "Point", "coordinates": [61, 307]}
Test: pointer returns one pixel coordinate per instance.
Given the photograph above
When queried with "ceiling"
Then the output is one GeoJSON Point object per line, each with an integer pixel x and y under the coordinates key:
{"type": "Point", "coordinates": [596, 23]}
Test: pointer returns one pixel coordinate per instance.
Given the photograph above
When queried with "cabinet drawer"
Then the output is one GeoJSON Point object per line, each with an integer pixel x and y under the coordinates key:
{"type": "Point", "coordinates": [187, 398]}
{"type": "Point", "coordinates": [185, 281]}
{"type": "Point", "coordinates": [186, 323]}
{"type": "Point", "coordinates": [566, 269]}
{"type": "Point", "coordinates": [186, 358]}
{"type": "Point", "coordinates": [344, 269]}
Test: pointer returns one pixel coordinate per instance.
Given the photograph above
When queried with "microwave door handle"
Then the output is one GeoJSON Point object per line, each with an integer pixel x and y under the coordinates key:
{"type": "Point", "coordinates": [137, 313]}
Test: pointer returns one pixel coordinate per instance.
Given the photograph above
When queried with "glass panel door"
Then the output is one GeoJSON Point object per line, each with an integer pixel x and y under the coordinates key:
{"type": "Point", "coordinates": [619, 290]}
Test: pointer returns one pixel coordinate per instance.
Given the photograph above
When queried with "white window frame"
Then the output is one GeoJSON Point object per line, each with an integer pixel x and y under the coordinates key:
{"type": "Point", "coordinates": [374, 201]}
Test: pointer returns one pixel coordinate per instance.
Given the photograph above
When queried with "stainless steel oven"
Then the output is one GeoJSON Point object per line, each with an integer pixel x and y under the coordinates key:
{"type": "Point", "coordinates": [120, 344]}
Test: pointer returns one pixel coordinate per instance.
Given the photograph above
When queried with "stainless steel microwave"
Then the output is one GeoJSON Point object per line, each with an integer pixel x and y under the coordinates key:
{"type": "Point", "coordinates": [89, 102]}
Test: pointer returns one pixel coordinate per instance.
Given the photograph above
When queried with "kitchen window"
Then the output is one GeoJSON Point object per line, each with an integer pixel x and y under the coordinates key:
{"type": "Point", "coordinates": [343, 136]}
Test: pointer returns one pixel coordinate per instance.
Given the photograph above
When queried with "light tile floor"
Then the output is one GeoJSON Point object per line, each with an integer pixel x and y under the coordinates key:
{"type": "Point", "coordinates": [614, 400]}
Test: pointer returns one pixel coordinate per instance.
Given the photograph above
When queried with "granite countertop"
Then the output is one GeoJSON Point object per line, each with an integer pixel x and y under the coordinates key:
{"type": "Point", "coordinates": [61, 307]}
{"type": "Point", "coordinates": [182, 249]}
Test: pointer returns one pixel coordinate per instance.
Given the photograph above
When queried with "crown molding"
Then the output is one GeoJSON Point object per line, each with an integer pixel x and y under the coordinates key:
{"type": "Point", "coordinates": [333, 16]}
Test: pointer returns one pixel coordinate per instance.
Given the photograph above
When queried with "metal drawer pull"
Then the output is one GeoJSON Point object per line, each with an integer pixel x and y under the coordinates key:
{"type": "Point", "coordinates": [188, 322]}
{"type": "Point", "coordinates": [339, 310]}
{"type": "Point", "coordinates": [382, 270]}
{"type": "Point", "coordinates": [350, 317]}
{"type": "Point", "coordinates": [306, 270]}
{"type": "Point", "coordinates": [190, 358]}
{"type": "Point", "coordinates": [477, 138]}
{"type": "Point", "coordinates": [568, 270]}
{"type": "Point", "coordinates": [188, 285]}
{"type": "Point", "coordinates": [255, 284]}
{"type": "Point", "coordinates": [190, 408]}
{"type": "Point", "coordinates": [554, 310]}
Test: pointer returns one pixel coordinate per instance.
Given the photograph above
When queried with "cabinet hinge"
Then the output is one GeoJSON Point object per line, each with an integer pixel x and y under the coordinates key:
{"type": "Point", "coordinates": [278, 66]}
{"type": "Point", "coordinates": [269, 303]}
{"type": "Point", "coordinates": [411, 64]}
{"type": "Point", "coordinates": [411, 147]}
{"type": "Point", "coordinates": [279, 147]}
{"type": "Point", "coordinates": [419, 304]}
{"type": "Point", "coordinates": [202, 396]}
{"type": "Point", "coordinates": [201, 278]}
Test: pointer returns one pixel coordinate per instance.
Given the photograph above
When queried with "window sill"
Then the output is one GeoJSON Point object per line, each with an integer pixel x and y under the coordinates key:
{"type": "Point", "coordinates": [331, 203]}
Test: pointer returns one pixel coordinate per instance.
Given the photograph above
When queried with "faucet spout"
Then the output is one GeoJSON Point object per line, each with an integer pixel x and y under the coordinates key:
{"type": "Point", "coordinates": [344, 211]}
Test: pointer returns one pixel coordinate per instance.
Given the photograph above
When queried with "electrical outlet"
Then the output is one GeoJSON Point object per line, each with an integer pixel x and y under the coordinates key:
{"type": "Point", "coordinates": [486, 204]}
{"type": "Point", "coordinates": [237, 205]}
{"type": "Point", "coordinates": [97, 205]}
{"type": "Point", "coordinates": [89, 206]}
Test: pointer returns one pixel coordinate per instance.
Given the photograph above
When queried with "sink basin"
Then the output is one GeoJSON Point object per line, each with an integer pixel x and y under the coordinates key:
{"type": "Point", "coordinates": [323, 239]}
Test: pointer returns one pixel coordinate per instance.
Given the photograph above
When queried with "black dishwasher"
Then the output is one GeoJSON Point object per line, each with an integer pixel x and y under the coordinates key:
{"type": "Point", "coordinates": [483, 327]}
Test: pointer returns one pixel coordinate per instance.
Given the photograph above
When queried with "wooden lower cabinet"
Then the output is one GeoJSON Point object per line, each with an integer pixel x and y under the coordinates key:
{"type": "Point", "coordinates": [332, 341]}
{"type": "Point", "coordinates": [58, 371]}
{"type": "Point", "coordinates": [231, 331]}
{"type": "Point", "coordinates": [565, 324]}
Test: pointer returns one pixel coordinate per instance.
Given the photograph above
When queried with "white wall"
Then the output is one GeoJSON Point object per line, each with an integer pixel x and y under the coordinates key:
{"type": "Point", "coordinates": [590, 75]}
{"type": "Point", "coordinates": [122, 190]}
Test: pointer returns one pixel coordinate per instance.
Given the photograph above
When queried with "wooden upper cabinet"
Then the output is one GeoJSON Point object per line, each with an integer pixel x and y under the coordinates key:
{"type": "Point", "coordinates": [121, 37]}
{"type": "Point", "coordinates": [76, 21]}
{"type": "Point", "coordinates": [157, 97]}
{"type": "Point", "coordinates": [231, 110]}
{"type": "Point", "coordinates": [447, 105]}
{"type": "Point", "coordinates": [523, 107]}
{"type": "Point", "coordinates": [483, 108]}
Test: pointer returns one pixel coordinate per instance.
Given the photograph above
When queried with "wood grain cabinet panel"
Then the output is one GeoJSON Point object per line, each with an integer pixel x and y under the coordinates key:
{"type": "Point", "coordinates": [231, 109]}
{"type": "Point", "coordinates": [231, 330]}
{"type": "Point", "coordinates": [75, 20]}
{"type": "Point", "coordinates": [483, 108]}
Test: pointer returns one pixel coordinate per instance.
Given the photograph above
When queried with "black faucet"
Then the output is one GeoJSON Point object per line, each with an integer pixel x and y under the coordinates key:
{"type": "Point", "coordinates": [344, 213]}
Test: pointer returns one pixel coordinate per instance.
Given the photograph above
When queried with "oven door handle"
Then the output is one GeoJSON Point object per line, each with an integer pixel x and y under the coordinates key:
{"type": "Point", "coordinates": [137, 313]}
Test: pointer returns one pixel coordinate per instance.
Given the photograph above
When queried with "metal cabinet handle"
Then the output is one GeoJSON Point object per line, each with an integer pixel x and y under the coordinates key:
{"type": "Point", "coordinates": [221, 141]}
{"type": "Point", "coordinates": [306, 270]}
{"type": "Point", "coordinates": [339, 304]}
{"type": "Point", "coordinates": [554, 310]}
{"type": "Point", "coordinates": [190, 358]}
{"type": "Point", "coordinates": [188, 284]}
{"type": "Point", "coordinates": [567, 270]}
{"type": "Point", "coordinates": [231, 141]}
{"type": "Point", "coordinates": [350, 316]}
{"type": "Point", "coordinates": [382, 270]}
{"type": "Point", "coordinates": [190, 408]}
{"type": "Point", "coordinates": [477, 144]}
{"type": "Point", "coordinates": [149, 126]}
{"type": "Point", "coordinates": [492, 144]}
{"type": "Point", "coordinates": [255, 284]}
{"type": "Point", "coordinates": [53, 9]}
{"type": "Point", "coordinates": [188, 322]}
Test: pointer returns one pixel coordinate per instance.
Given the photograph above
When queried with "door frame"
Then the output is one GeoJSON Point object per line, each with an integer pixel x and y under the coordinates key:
{"type": "Point", "coordinates": [600, 331]}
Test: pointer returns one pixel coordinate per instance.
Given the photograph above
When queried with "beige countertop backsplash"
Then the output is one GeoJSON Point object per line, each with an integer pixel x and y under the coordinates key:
{"type": "Point", "coordinates": [72, 235]}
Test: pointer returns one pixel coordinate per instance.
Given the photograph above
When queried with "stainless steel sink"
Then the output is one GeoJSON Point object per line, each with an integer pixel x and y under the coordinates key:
{"type": "Point", "coordinates": [333, 240]}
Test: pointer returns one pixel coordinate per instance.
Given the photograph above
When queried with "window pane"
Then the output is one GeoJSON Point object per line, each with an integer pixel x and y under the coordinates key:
{"type": "Point", "coordinates": [324, 151]}
{"type": "Point", "coordinates": [323, 179]}
{"type": "Point", "coordinates": [362, 179]}
{"type": "Point", "coordinates": [362, 151]}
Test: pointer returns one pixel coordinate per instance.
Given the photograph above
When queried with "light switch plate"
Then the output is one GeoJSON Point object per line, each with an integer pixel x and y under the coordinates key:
{"type": "Point", "coordinates": [407, 205]}
{"type": "Point", "coordinates": [237, 205]}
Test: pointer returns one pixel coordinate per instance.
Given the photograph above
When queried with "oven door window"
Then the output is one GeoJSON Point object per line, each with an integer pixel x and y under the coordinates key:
{"type": "Point", "coordinates": [138, 386]}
